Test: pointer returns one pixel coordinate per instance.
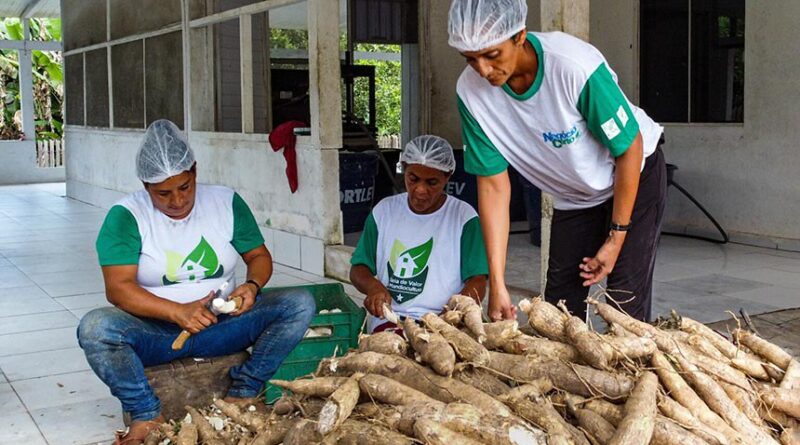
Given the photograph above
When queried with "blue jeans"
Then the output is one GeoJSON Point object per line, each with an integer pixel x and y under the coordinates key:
{"type": "Point", "coordinates": [119, 346]}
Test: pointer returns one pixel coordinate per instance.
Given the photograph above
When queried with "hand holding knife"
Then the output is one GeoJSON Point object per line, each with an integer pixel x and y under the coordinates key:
{"type": "Point", "coordinates": [217, 305]}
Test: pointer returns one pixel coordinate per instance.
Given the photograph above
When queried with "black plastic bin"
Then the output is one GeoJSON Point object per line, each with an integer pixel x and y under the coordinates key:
{"type": "Point", "coordinates": [356, 187]}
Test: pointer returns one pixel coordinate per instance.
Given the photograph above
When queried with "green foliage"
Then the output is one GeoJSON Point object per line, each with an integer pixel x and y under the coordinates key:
{"type": "Point", "coordinates": [387, 79]}
{"type": "Point", "coordinates": [288, 38]}
{"type": "Point", "coordinates": [387, 90]}
{"type": "Point", "coordinates": [48, 81]}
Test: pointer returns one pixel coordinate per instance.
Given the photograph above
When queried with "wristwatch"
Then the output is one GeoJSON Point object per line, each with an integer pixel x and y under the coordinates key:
{"type": "Point", "coordinates": [258, 287]}
{"type": "Point", "coordinates": [614, 227]}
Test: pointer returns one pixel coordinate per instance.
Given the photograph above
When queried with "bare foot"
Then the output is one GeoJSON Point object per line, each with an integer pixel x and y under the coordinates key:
{"type": "Point", "coordinates": [138, 430]}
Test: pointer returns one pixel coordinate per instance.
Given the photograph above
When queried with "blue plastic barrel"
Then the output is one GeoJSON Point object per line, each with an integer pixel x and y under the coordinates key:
{"type": "Point", "coordinates": [356, 187]}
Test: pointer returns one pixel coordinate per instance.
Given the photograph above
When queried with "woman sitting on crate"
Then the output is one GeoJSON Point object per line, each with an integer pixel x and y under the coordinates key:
{"type": "Point", "coordinates": [166, 251]}
{"type": "Point", "coordinates": [421, 247]}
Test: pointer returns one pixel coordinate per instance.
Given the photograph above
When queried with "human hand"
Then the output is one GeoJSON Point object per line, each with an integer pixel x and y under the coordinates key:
{"type": "Point", "coordinates": [500, 306]}
{"type": "Point", "coordinates": [247, 292]}
{"type": "Point", "coordinates": [195, 316]}
{"type": "Point", "coordinates": [375, 301]}
{"type": "Point", "coordinates": [593, 270]}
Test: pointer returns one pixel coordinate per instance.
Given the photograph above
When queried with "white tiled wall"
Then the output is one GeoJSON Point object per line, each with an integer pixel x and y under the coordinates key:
{"type": "Point", "coordinates": [312, 255]}
{"type": "Point", "coordinates": [296, 251]}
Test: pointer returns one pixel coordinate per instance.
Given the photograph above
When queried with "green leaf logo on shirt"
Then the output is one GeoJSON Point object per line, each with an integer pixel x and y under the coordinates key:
{"type": "Point", "coordinates": [411, 262]}
{"type": "Point", "coordinates": [408, 270]}
{"type": "Point", "coordinates": [200, 264]}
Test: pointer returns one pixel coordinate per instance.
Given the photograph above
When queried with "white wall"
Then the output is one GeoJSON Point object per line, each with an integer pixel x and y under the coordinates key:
{"type": "Point", "coordinates": [18, 165]}
{"type": "Point", "coordinates": [747, 175]}
{"type": "Point", "coordinates": [100, 170]}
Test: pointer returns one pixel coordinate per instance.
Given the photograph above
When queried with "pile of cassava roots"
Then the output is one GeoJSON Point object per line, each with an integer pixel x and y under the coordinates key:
{"type": "Point", "coordinates": [452, 379]}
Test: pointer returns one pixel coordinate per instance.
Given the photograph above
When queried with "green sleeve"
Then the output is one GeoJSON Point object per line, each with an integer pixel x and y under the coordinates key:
{"type": "Point", "coordinates": [367, 247]}
{"type": "Point", "coordinates": [473, 252]}
{"type": "Point", "coordinates": [607, 113]}
{"type": "Point", "coordinates": [246, 235]}
{"type": "Point", "coordinates": [119, 242]}
{"type": "Point", "coordinates": [481, 157]}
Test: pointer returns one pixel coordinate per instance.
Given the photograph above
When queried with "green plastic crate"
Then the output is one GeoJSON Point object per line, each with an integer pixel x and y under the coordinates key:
{"type": "Point", "coordinates": [346, 326]}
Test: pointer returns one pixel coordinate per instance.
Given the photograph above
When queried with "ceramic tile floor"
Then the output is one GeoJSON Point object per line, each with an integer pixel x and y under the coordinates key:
{"type": "Point", "coordinates": [48, 394]}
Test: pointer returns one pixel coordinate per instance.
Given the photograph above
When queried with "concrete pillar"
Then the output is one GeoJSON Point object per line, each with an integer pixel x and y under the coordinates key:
{"type": "Point", "coordinates": [325, 79]}
{"type": "Point", "coordinates": [186, 55]}
{"type": "Point", "coordinates": [324, 74]}
{"type": "Point", "coordinates": [570, 16]}
{"type": "Point", "coordinates": [26, 86]}
{"type": "Point", "coordinates": [409, 126]}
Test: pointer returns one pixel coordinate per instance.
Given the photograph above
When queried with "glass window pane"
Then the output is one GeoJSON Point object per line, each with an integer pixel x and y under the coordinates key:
{"type": "Point", "coordinates": [86, 22]}
{"type": "Point", "coordinates": [97, 88]}
{"type": "Point", "coordinates": [73, 93]}
{"type": "Point", "coordinates": [228, 77]}
{"type": "Point", "coordinates": [128, 18]}
{"type": "Point", "coordinates": [164, 78]}
{"type": "Point", "coordinates": [664, 63]}
{"type": "Point", "coordinates": [127, 74]}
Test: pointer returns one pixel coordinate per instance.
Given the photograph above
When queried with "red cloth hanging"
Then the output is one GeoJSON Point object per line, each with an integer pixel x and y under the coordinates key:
{"type": "Point", "coordinates": [282, 137]}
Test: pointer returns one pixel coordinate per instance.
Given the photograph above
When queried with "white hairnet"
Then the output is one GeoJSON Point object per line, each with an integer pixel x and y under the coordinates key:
{"type": "Point", "coordinates": [430, 151]}
{"type": "Point", "coordinates": [164, 153]}
{"type": "Point", "coordinates": [479, 24]}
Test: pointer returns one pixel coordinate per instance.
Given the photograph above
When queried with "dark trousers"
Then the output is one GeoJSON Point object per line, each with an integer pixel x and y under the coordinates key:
{"type": "Point", "coordinates": [577, 234]}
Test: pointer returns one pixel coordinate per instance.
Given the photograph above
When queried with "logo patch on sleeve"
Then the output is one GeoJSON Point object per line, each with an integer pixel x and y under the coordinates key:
{"type": "Point", "coordinates": [622, 115]}
{"type": "Point", "coordinates": [610, 128]}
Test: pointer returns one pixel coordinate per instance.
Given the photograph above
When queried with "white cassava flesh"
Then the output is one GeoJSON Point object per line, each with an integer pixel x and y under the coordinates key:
{"type": "Point", "coordinates": [389, 315]}
{"type": "Point", "coordinates": [339, 405]}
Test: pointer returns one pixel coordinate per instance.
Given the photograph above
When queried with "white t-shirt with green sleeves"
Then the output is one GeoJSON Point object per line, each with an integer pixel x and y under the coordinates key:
{"type": "Point", "coordinates": [562, 134]}
{"type": "Point", "coordinates": [180, 260]}
{"type": "Point", "coordinates": [421, 259]}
